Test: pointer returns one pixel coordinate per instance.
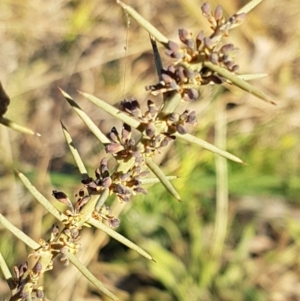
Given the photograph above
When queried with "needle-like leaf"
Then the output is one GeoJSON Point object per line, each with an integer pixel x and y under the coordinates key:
{"type": "Point", "coordinates": [18, 233]}
{"type": "Point", "coordinates": [111, 110]}
{"type": "Point", "coordinates": [19, 128]}
{"type": "Point", "coordinates": [119, 238]}
{"type": "Point", "coordinates": [210, 147]}
{"type": "Point", "coordinates": [74, 152]}
{"type": "Point", "coordinates": [234, 79]}
{"type": "Point", "coordinates": [163, 179]}
{"type": "Point", "coordinates": [40, 198]}
{"type": "Point", "coordinates": [144, 23]}
{"type": "Point", "coordinates": [87, 274]}
{"type": "Point", "coordinates": [249, 6]}
{"type": "Point", "coordinates": [86, 119]}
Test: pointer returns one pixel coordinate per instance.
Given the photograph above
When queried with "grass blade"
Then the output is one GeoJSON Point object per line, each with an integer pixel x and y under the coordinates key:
{"type": "Point", "coordinates": [19, 128]}
{"type": "Point", "coordinates": [40, 198]}
{"type": "Point", "coordinates": [111, 110]}
{"type": "Point", "coordinates": [209, 147]}
{"type": "Point", "coordinates": [86, 119]}
{"type": "Point", "coordinates": [18, 233]}
{"type": "Point", "coordinates": [156, 180]}
{"type": "Point", "coordinates": [144, 23]}
{"type": "Point", "coordinates": [234, 79]}
{"type": "Point", "coordinates": [74, 152]}
{"type": "Point", "coordinates": [163, 179]}
{"type": "Point", "coordinates": [119, 238]}
{"type": "Point", "coordinates": [252, 76]}
{"type": "Point", "coordinates": [88, 275]}
{"type": "Point", "coordinates": [249, 6]}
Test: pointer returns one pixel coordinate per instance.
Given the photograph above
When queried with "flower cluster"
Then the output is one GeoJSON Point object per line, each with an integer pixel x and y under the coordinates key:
{"type": "Point", "coordinates": [188, 73]}
{"type": "Point", "coordinates": [177, 122]}
{"type": "Point", "coordinates": [26, 281]}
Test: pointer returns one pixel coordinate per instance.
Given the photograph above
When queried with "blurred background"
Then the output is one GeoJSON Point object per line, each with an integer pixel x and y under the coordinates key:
{"type": "Point", "coordinates": [93, 47]}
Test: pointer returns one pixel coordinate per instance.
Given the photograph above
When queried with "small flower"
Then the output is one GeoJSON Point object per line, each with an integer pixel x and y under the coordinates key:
{"type": "Point", "coordinates": [177, 122]}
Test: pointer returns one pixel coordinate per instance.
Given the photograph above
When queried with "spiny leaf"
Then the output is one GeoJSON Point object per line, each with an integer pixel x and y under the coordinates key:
{"type": "Point", "coordinates": [18, 233]}
{"type": "Point", "coordinates": [74, 152]}
{"type": "Point", "coordinates": [156, 180]}
{"type": "Point", "coordinates": [40, 198]}
{"type": "Point", "coordinates": [210, 147]}
{"type": "Point", "coordinates": [252, 76]}
{"type": "Point", "coordinates": [6, 272]}
{"type": "Point", "coordinates": [144, 23]}
{"type": "Point", "coordinates": [86, 119]}
{"type": "Point", "coordinates": [249, 6]}
{"type": "Point", "coordinates": [161, 176]}
{"type": "Point", "coordinates": [119, 238]}
{"type": "Point", "coordinates": [234, 79]}
{"type": "Point", "coordinates": [86, 273]}
{"type": "Point", "coordinates": [111, 110]}
{"type": "Point", "coordinates": [19, 128]}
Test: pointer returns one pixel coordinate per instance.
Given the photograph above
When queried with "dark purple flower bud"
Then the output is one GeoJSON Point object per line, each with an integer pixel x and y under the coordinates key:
{"type": "Point", "coordinates": [113, 137]}
{"type": "Point", "coordinates": [141, 190]}
{"type": "Point", "coordinates": [126, 132]}
{"type": "Point", "coordinates": [103, 165]}
{"type": "Point", "coordinates": [237, 19]}
{"type": "Point", "coordinates": [37, 268]}
{"type": "Point", "coordinates": [184, 115]}
{"type": "Point", "coordinates": [22, 269]}
{"type": "Point", "coordinates": [225, 49]}
{"type": "Point", "coordinates": [192, 118]}
{"type": "Point", "coordinates": [173, 117]}
{"type": "Point", "coordinates": [199, 39]}
{"type": "Point", "coordinates": [121, 189]}
{"type": "Point", "coordinates": [193, 94]}
{"type": "Point", "coordinates": [124, 176]}
{"type": "Point", "coordinates": [144, 174]}
{"type": "Point", "coordinates": [173, 86]}
{"type": "Point", "coordinates": [74, 232]}
{"type": "Point", "coordinates": [150, 130]}
{"type": "Point", "coordinates": [113, 148]}
{"type": "Point", "coordinates": [206, 9]}
{"type": "Point", "coordinates": [177, 55]}
{"type": "Point", "coordinates": [190, 74]}
{"type": "Point", "coordinates": [81, 202]}
{"type": "Point", "coordinates": [151, 107]}
{"type": "Point", "coordinates": [55, 229]}
{"type": "Point", "coordinates": [190, 43]}
{"type": "Point", "coordinates": [81, 193]}
{"type": "Point", "coordinates": [131, 142]}
{"type": "Point", "coordinates": [124, 198]}
{"type": "Point", "coordinates": [62, 197]}
{"type": "Point", "coordinates": [114, 222]}
{"type": "Point", "coordinates": [106, 182]}
{"type": "Point", "coordinates": [229, 64]}
{"type": "Point", "coordinates": [40, 294]}
{"type": "Point", "coordinates": [181, 74]}
{"type": "Point", "coordinates": [169, 52]}
{"type": "Point", "coordinates": [208, 42]}
{"type": "Point", "coordinates": [164, 143]}
{"type": "Point", "coordinates": [180, 129]}
{"type": "Point", "coordinates": [214, 57]}
{"type": "Point", "coordinates": [173, 46]}
{"type": "Point", "coordinates": [218, 12]}
{"type": "Point", "coordinates": [171, 69]}
{"type": "Point", "coordinates": [183, 35]}
{"type": "Point", "coordinates": [235, 68]}
{"type": "Point", "coordinates": [166, 78]}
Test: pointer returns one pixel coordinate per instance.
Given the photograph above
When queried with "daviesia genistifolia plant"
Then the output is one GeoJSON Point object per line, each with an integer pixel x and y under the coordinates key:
{"type": "Point", "coordinates": [198, 59]}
